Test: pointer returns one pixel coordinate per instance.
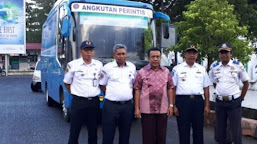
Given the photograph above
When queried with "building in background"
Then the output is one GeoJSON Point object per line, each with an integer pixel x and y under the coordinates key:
{"type": "Point", "coordinates": [23, 62]}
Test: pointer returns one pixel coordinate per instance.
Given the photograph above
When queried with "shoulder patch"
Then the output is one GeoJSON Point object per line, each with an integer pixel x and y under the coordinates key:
{"type": "Point", "coordinates": [67, 68]}
{"type": "Point", "coordinates": [236, 62]}
{"type": "Point", "coordinates": [215, 64]}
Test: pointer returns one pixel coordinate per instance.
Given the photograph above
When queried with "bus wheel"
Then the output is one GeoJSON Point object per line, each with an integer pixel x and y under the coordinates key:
{"type": "Point", "coordinates": [32, 87]}
{"type": "Point", "coordinates": [65, 110]}
{"type": "Point", "coordinates": [49, 100]}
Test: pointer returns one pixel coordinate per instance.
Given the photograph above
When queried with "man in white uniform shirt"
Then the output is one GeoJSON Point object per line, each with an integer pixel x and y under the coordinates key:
{"type": "Point", "coordinates": [226, 76]}
{"type": "Point", "coordinates": [82, 81]}
{"type": "Point", "coordinates": [191, 84]}
{"type": "Point", "coordinates": [117, 83]}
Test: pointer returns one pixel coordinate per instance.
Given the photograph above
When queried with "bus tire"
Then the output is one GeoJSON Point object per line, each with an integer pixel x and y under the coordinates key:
{"type": "Point", "coordinates": [49, 100]}
{"type": "Point", "coordinates": [32, 87]}
{"type": "Point", "coordinates": [65, 110]}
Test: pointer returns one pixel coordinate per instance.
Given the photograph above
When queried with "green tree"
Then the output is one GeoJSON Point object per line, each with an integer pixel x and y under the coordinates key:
{"type": "Point", "coordinates": [246, 11]}
{"type": "Point", "coordinates": [208, 23]}
{"type": "Point", "coordinates": [36, 14]}
{"type": "Point", "coordinates": [173, 8]}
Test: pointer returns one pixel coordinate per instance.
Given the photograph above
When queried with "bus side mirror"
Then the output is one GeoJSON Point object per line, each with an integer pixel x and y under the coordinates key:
{"type": "Point", "coordinates": [171, 39]}
{"type": "Point", "coordinates": [66, 24]}
{"type": "Point", "coordinates": [165, 30]}
{"type": "Point", "coordinates": [66, 27]}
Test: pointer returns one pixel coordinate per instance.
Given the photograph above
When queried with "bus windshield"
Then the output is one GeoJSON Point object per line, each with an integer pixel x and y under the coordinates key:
{"type": "Point", "coordinates": [106, 30]}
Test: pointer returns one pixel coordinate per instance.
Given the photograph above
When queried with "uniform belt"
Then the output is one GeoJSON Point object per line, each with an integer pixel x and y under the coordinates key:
{"type": "Point", "coordinates": [86, 98]}
{"type": "Point", "coordinates": [226, 98]}
{"type": "Point", "coordinates": [190, 96]}
{"type": "Point", "coordinates": [119, 102]}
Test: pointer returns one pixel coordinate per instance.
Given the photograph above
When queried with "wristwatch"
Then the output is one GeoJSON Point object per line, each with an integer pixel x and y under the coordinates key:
{"type": "Point", "coordinates": [171, 105]}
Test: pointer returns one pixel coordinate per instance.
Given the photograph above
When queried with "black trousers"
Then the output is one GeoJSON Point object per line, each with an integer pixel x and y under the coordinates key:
{"type": "Point", "coordinates": [116, 114]}
{"type": "Point", "coordinates": [154, 127]}
{"type": "Point", "coordinates": [84, 111]}
{"type": "Point", "coordinates": [231, 111]}
{"type": "Point", "coordinates": [191, 113]}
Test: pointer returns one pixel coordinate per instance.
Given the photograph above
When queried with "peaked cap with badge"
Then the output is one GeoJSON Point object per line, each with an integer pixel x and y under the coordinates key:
{"type": "Point", "coordinates": [192, 47]}
{"type": "Point", "coordinates": [87, 44]}
{"type": "Point", "coordinates": [225, 47]}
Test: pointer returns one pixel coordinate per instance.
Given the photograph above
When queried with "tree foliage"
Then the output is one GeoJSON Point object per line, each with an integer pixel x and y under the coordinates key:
{"type": "Point", "coordinates": [173, 8]}
{"type": "Point", "coordinates": [36, 14]}
{"type": "Point", "coordinates": [246, 11]}
{"type": "Point", "coordinates": [209, 23]}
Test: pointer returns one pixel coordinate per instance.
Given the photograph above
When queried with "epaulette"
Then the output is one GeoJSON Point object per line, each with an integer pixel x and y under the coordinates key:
{"type": "Point", "coordinates": [216, 64]}
{"type": "Point", "coordinates": [236, 62]}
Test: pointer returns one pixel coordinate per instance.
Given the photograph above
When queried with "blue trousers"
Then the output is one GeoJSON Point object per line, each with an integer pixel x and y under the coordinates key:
{"type": "Point", "coordinates": [116, 114]}
{"type": "Point", "coordinates": [191, 114]}
{"type": "Point", "coordinates": [232, 111]}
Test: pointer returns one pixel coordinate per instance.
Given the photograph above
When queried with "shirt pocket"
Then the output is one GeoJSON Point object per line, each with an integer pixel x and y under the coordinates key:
{"type": "Point", "coordinates": [78, 74]}
{"type": "Point", "coordinates": [182, 77]}
{"type": "Point", "coordinates": [199, 78]}
{"type": "Point", "coordinates": [114, 78]}
{"type": "Point", "coordinates": [217, 75]}
{"type": "Point", "coordinates": [233, 76]}
{"type": "Point", "coordinates": [146, 82]}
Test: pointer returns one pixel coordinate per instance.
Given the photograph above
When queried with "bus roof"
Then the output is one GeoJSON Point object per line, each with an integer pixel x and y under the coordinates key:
{"type": "Point", "coordinates": [110, 2]}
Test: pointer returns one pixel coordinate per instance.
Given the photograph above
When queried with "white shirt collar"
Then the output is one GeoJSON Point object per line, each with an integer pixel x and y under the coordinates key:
{"type": "Point", "coordinates": [230, 63]}
{"type": "Point", "coordinates": [186, 65]}
{"type": "Point", "coordinates": [81, 62]}
{"type": "Point", "coordinates": [114, 64]}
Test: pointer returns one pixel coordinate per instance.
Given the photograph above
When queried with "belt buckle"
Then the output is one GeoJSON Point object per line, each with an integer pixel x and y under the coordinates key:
{"type": "Point", "coordinates": [192, 96]}
{"type": "Point", "coordinates": [122, 102]}
{"type": "Point", "coordinates": [89, 98]}
{"type": "Point", "coordinates": [225, 98]}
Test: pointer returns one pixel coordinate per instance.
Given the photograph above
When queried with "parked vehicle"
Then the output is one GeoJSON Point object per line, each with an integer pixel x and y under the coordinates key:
{"type": "Point", "coordinates": [36, 79]}
{"type": "Point", "coordinates": [3, 73]}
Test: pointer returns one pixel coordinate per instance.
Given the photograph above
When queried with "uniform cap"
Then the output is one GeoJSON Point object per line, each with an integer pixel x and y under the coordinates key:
{"type": "Point", "coordinates": [225, 47]}
{"type": "Point", "coordinates": [87, 44]}
{"type": "Point", "coordinates": [192, 47]}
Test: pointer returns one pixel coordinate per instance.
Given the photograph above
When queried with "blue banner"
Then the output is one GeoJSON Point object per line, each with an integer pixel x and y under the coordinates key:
{"type": "Point", "coordinates": [12, 27]}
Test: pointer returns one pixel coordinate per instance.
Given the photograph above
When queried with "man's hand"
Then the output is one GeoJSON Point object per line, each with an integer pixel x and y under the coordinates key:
{"type": "Point", "coordinates": [170, 112]}
{"type": "Point", "coordinates": [175, 109]}
{"type": "Point", "coordinates": [137, 113]}
{"type": "Point", "coordinates": [206, 110]}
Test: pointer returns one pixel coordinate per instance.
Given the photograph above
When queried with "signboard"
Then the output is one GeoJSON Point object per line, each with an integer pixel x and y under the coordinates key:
{"type": "Point", "coordinates": [113, 20]}
{"type": "Point", "coordinates": [110, 9]}
{"type": "Point", "coordinates": [12, 27]}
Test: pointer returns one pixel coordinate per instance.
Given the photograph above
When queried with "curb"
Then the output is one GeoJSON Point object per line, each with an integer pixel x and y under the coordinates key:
{"type": "Point", "coordinates": [20, 74]}
{"type": "Point", "coordinates": [249, 126]}
{"type": "Point", "coordinates": [17, 72]}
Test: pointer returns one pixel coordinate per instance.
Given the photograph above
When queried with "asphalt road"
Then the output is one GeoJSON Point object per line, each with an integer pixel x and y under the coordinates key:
{"type": "Point", "coordinates": [26, 119]}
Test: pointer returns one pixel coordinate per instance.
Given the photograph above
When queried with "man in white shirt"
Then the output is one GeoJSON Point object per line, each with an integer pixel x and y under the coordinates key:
{"type": "Point", "coordinates": [226, 76]}
{"type": "Point", "coordinates": [82, 81]}
{"type": "Point", "coordinates": [116, 82]}
{"type": "Point", "coordinates": [192, 97]}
